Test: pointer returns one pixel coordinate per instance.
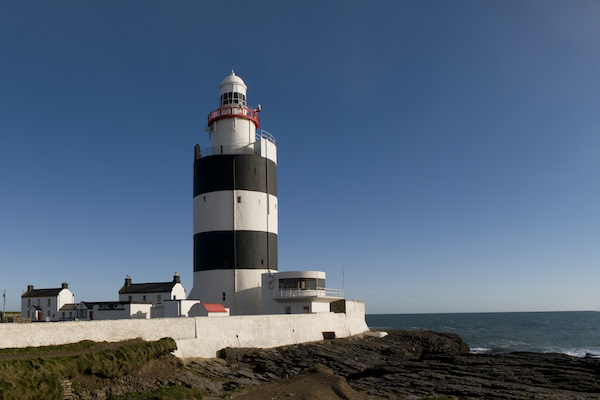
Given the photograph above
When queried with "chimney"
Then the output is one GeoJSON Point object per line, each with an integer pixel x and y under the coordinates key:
{"type": "Point", "coordinates": [176, 278]}
{"type": "Point", "coordinates": [127, 280]}
{"type": "Point", "coordinates": [65, 285]}
{"type": "Point", "coordinates": [29, 288]}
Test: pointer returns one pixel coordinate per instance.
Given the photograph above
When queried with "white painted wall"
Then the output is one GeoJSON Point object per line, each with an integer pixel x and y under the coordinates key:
{"type": "Point", "coordinates": [267, 149]}
{"type": "Point", "coordinates": [216, 211]}
{"type": "Point", "coordinates": [181, 308]}
{"type": "Point", "coordinates": [236, 132]}
{"type": "Point", "coordinates": [125, 311]}
{"type": "Point", "coordinates": [195, 337]}
{"type": "Point", "coordinates": [242, 289]}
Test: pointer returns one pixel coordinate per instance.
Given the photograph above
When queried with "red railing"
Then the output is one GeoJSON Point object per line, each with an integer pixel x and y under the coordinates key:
{"type": "Point", "coordinates": [227, 112]}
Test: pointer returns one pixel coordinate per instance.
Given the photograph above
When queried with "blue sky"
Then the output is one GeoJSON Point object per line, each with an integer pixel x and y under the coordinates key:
{"type": "Point", "coordinates": [434, 156]}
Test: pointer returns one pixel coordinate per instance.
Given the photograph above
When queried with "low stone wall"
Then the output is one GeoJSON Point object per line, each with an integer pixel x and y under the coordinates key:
{"type": "Point", "coordinates": [195, 337]}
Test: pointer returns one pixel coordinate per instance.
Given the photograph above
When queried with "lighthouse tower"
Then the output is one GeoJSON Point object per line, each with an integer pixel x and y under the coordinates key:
{"type": "Point", "coordinates": [235, 205]}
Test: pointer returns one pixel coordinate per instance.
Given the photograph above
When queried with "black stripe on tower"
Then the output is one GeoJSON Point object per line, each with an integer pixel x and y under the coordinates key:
{"type": "Point", "coordinates": [235, 250]}
{"type": "Point", "coordinates": [249, 172]}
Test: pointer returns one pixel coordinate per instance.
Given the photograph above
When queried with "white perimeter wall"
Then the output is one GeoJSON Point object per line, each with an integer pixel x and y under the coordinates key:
{"type": "Point", "coordinates": [195, 337]}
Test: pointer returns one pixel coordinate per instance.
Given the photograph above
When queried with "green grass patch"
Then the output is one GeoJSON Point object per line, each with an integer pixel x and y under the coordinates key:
{"type": "Point", "coordinates": [38, 378]}
{"type": "Point", "coordinates": [83, 345]}
{"type": "Point", "coordinates": [178, 392]}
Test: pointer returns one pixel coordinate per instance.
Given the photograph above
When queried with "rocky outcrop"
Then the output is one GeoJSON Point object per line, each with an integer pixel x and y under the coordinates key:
{"type": "Point", "coordinates": [412, 364]}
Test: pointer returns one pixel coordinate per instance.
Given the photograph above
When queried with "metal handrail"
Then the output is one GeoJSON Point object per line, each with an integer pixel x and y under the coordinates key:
{"type": "Point", "coordinates": [217, 150]}
{"type": "Point", "coordinates": [319, 292]}
{"type": "Point", "coordinates": [265, 135]}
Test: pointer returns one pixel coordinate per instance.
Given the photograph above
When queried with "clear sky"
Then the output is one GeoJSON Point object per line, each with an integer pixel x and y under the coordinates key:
{"type": "Point", "coordinates": [434, 156]}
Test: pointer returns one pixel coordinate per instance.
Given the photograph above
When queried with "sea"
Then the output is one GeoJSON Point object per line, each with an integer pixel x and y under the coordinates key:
{"type": "Point", "coordinates": [576, 333]}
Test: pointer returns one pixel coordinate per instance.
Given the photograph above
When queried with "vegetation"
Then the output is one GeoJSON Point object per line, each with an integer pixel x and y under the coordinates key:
{"type": "Point", "coordinates": [83, 345]}
{"type": "Point", "coordinates": [39, 378]}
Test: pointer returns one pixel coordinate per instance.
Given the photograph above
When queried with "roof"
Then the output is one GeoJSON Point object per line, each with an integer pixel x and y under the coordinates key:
{"type": "Point", "coordinates": [43, 292]}
{"type": "Point", "coordinates": [214, 307]}
{"type": "Point", "coordinates": [147, 287]}
{"type": "Point", "coordinates": [233, 79]}
{"type": "Point", "coordinates": [69, 306]}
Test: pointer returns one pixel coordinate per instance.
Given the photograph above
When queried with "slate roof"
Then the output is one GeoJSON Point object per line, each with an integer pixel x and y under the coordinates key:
{"type": "Point", "coordinates": [156, 287]}
{"type": "Point", "coordinates": [68, 306]}
{"type": "Point", "coordinates": [42, 292]}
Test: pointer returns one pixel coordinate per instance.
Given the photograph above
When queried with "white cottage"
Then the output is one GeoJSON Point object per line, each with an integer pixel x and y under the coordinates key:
{"type": "Point", "coordinates": [155, 293]}
{"type": "Point", "coordinates": [44, 304]}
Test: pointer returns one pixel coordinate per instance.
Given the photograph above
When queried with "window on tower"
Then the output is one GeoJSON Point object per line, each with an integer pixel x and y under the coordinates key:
{"type": "Point", "coordinates": [233, 98]}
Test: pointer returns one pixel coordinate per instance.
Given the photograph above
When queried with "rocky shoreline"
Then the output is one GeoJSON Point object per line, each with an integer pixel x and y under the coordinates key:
{"type": "Point", "coordinates": [402, 365]}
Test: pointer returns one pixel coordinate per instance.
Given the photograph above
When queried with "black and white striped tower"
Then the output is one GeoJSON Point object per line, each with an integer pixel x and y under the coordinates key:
{"type": "Point", "coordinates": [235, 205]}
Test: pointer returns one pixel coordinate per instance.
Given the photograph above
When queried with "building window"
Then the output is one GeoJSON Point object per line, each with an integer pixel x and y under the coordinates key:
{"type": "Point", "coordinates": [144, 298]}
{"type": "Point", "coordinates": [49, 302]}
{"type": "Point", "coordinates": [288, 310]}
{"type": "Point", "coordinates": [306, 309]}
{"type": "Point", "coordinates": [63, 314]}
{"type": "Point", "coordinates": [158, 298]}
{"type": "Point", "coordinates": [28, 313]}
{"type": "Point", "coordinates": [28, 302]}
{"type": "Point", "coordinates": [205, 199]}
{"type": "Point", "coordinates": [223, 296]}
{"type": "Point", "coordinates": [129, 298]}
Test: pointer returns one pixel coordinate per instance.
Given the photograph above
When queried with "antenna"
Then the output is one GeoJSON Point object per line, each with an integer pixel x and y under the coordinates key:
{"type": "Point", "coordinates": [343, 274]}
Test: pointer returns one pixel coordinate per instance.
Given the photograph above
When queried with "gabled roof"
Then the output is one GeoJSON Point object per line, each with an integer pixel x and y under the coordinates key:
{"type": "Point", "coordinates": [69, 306]}
{"type": "Point", "coordinates": [155, 287]}
{"type": "Point", "coordinates": [214, 307]}
{"type": "Point", "coordinates": [42, 292]}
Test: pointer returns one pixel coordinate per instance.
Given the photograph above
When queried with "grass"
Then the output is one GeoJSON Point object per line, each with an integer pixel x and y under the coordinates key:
{"type": "Point", "coordinates": [172, 392]}
{"type": "Point", "coordinates": [38, 378]}
{"type": "Point", "coordinates": [84, 344]}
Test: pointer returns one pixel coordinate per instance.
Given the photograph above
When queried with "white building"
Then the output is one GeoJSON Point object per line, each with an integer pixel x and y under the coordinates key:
{"type": "Point", "coordinates": [121, 310]}
{"type": "Point", "coordinates": [297, 292]}
{"type": "Point", "coordinates": [154, 292]}
{"type": "Point", "coordinates": [44, 304]}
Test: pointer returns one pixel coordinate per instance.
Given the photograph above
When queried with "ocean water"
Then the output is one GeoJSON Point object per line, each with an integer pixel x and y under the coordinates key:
{"type": "Point", "coordinates": [576, 333]}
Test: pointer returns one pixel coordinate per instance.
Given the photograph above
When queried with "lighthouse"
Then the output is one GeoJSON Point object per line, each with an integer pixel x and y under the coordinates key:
{"type": "Point", "coordinates": [234, 205]}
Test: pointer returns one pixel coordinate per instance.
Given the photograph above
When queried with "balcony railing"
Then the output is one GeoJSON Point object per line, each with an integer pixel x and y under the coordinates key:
{"type": "Point", "coordinates": [213, 151]}
{"type": "Point", "coordinates": [300, 293]}
{"type": "Point", "coordinates": [235, 111]}
{"type": "Point", "coordinates": [251, 148]}
{"type": "Point", "coordinates": [265, 135]}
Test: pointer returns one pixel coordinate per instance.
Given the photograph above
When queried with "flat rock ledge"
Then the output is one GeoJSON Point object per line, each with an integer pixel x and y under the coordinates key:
{"type": "Point", "coordinates": [409, 365]}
